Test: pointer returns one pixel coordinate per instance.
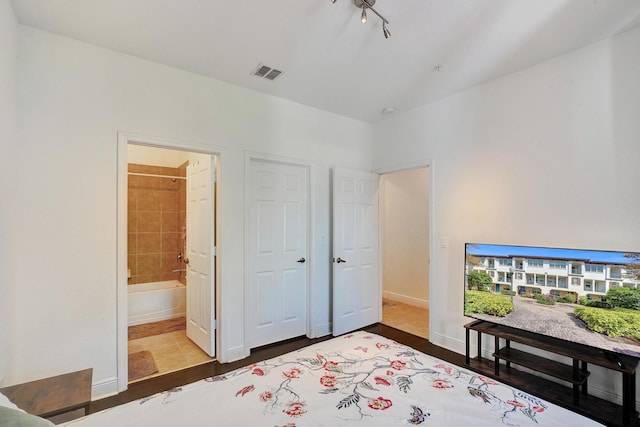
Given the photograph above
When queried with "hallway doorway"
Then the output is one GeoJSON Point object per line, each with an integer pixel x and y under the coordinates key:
{"type": "Point", "coordinates": [405, 249]}
{"type": "Point", "coordinates": [405, 317]}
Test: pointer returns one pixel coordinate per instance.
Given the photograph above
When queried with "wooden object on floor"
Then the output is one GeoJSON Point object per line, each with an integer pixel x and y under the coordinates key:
{"type": "Point", "coordinates": [574, 397]}
{"type": "Point", "coordinates": [54, 395]}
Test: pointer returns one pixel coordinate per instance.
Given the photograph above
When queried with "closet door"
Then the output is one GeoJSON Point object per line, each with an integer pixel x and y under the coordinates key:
{"type": "Point", "coordinates": [356, 285]}
{"type": "Point", "coordinates": [277, 203]}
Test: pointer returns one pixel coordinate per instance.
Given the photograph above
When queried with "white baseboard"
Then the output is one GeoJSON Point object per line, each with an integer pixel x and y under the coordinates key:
{"type": "Point", "coordinates": [416, 302]}
{"type": "Point", "coordinates": [104, 388]}
{"type": "Point", "coordinates": [447, 342]}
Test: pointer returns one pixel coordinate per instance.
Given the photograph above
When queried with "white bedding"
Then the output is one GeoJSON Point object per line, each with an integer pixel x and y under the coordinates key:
{"type": "Point", "coordinates": [360, 379]}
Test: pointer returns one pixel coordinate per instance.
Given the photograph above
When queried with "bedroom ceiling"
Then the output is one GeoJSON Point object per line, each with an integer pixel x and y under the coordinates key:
{"type": "Point", "coordinates": [330, 60]}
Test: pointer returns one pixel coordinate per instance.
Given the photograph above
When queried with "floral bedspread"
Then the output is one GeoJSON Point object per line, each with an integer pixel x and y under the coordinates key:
{"type": "Point", "coordinates": [360, 379]}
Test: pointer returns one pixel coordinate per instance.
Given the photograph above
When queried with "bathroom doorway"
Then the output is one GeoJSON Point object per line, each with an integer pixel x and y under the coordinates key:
{"type": "Point", "coordinates": [170, 259]}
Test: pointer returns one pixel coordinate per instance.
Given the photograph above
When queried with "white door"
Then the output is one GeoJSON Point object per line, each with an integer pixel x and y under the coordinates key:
{"type": "Point", "coordinates": [277, 250]}
{"type": "Point", "coordinates": [356, 286]}
{"type": "Point", "coordinates": [200, 254]}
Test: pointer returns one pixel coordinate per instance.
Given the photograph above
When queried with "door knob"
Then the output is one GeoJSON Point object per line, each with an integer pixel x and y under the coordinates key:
{"type": "Point", "coordinates": [185, 260]}
{"type": "Point", "coordinates": [339, 260]}
{"type": "Point", "coordinates": [301, 260]}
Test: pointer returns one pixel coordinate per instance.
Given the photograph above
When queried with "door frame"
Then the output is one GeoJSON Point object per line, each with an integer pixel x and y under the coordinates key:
{"type": "Point", "coordinates": [124, 139]}
{"type": "Point", "coordinates": [309, 167]}
{"type": "Point", "coordinates": [428, 163]}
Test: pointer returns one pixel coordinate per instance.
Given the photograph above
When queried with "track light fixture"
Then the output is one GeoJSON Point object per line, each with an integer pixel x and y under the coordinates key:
{"type": "Point", "coordinates": [385, 30]}
{"type": "Point", "coordinates": [368, 4]}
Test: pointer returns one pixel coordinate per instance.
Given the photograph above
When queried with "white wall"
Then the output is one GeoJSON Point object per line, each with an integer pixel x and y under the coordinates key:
{"type": "Point", "coordinates": [547, 156]}
{"type": "Point", "coordinates": [73, 99]}
{"type": "Point", "coordinates": [8, 53]}
{"type": "Point", "coordinates": [405, 252]}
{"type": "Point", "coordinates": [145, 155]}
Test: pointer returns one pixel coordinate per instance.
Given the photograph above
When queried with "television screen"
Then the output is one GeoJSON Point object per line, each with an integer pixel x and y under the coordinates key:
{"type": "Point", "coordinates": [587, 296]}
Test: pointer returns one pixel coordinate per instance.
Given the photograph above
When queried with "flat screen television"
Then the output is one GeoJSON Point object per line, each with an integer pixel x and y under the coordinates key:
{"type": "Point", "coordinates": [587, 296]}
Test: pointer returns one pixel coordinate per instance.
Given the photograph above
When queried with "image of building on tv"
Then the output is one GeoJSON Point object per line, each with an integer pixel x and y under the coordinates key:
{"type": "Point", "coordinates": [587, 296]}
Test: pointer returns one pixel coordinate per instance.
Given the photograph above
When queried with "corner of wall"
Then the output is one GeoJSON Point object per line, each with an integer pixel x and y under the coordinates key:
{"type": "Point", "coordinates": [8, 136]}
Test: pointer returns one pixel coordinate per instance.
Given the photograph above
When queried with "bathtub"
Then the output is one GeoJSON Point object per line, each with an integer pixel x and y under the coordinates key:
{"type": "Point", "coordinates": [151, 302]}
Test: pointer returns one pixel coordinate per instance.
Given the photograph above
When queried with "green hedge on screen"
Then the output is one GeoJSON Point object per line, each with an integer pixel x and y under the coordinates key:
{"type": "Point", "coordinates": [618, 322]}
{"type": "Point", "coordinates": [487, 303]}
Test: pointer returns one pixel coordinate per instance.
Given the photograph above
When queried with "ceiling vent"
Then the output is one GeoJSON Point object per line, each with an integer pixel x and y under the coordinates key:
{"type": "Point", "coordinates": [266, 72]}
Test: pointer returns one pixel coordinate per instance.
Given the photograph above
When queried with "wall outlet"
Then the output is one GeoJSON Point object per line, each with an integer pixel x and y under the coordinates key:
{"type": "Point", "coordinates": [444, 242]}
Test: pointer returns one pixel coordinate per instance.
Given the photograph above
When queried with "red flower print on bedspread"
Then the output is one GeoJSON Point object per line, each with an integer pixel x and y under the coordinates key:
{"type": "Point", "coordinates": [295, 409]}
{"type": "Point", "coordinates": [380, 404]}
{"type": "Point", "coordinates": [328, 380]}
{"type": "Point", "coordinates": [487, 380]}
{"type": "Point", "coordinates": [382, 381]}
{"type": "Point", "coordinates": [266, 396]}
{"type": "Point", "coordinates": [351, 376]}
{"type": "Point", "coordinates": [516, 403]}
{"type": "Point", "coordinates": [292, 373]}
{"type": "Point", "coordinates": [530, 409]}
{"type": "Point", "coordinates": [447, 369]}
{"type": "Point", "coordinates": [245, 390]}
{"type": "Point", "coordinates": [441, 384]}
{"type": "Point", "coordinates": [398, 365]}
{"type": "Point", "coordinates": [330, 365]}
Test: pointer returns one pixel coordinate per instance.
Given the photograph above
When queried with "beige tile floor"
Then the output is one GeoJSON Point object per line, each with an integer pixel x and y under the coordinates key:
{"type": "Point", "coordinates": [171, 351]}
{"type": "Point", "coordinates": [408, 318]}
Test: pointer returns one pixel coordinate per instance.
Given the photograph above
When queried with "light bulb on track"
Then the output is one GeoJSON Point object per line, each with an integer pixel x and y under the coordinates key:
{"type": "Point", "coordinates": [368, 4]}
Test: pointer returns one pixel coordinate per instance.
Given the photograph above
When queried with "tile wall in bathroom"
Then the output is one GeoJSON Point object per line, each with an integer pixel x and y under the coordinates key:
{"type": "Point", "coordinates": [156, 220]}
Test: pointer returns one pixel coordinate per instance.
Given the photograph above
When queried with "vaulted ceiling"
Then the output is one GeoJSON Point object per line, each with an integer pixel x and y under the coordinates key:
{"type": "Point", "coordinates": [330, 60]}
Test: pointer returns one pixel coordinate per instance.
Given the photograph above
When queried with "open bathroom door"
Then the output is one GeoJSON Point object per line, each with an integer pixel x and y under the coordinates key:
{"type": "Point", "coordinates": [199, 258]}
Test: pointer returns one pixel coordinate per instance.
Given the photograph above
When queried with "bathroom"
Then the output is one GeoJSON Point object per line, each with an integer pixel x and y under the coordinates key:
{"type": "Point", "coordinates": [157, 261]}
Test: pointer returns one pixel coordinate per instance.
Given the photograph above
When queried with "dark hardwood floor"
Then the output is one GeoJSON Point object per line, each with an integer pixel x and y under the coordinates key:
{"type": "Point", "coordinates": [167, 382]}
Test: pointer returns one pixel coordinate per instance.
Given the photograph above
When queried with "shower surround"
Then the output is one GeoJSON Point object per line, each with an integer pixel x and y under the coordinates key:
{"type": "Point", "coordinates": [156, 223]}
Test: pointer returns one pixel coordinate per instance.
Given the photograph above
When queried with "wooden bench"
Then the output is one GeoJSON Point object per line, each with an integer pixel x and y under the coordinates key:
{"type": "Point", "coordinates": [52, 396]}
